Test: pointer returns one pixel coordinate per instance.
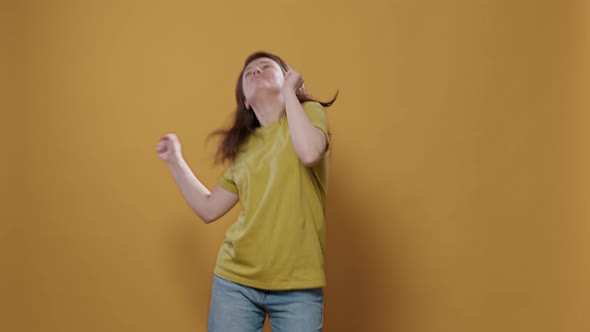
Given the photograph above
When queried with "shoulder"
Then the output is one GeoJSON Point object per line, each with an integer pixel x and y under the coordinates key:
{"type": "Point", "coordinates": [315, 111]}
{"type": "Point", "coordinates": [313, 108]}
{"type": "Point", "coordinates": [312, 105]}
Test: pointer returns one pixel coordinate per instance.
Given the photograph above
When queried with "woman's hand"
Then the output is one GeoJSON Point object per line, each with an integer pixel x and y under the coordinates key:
{"type": "Point", "coordinates": [293, 81]}
{"type": "Point", "coordinates": [168, 148]}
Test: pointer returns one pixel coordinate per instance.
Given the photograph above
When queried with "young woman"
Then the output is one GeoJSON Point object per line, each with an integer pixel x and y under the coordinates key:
{"type": "Point", "coordinates": [272, 259]}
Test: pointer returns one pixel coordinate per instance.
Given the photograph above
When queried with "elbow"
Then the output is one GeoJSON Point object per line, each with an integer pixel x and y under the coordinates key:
{"type": "Point", "coordinates": [310, 158]}
{"type": "Point", "coordinates": [204, 212]}
{"type": "Point", "coordinates": [205, 216]}
{"type": "Point", "coordinates": [311, 154]}
{"type": "Point", "coordinates": [207, 219]}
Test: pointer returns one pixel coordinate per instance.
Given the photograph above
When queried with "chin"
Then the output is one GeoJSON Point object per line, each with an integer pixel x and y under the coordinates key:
{"type": "Point", "coordinates": [266, 89]}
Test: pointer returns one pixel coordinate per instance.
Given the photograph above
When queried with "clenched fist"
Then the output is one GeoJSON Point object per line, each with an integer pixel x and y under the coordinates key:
{"type": "Point", "coordinates": [293, 81]}
{"type": "Point", "coordinates": [168, 148]}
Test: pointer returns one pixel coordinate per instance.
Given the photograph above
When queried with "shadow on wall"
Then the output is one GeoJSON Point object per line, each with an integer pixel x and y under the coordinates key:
{"type": "Point", "coordinates": [362, 280]}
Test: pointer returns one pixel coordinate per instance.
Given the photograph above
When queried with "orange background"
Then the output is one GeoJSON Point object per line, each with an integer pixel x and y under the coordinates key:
{"type": "Point", "coordinates": [459, 178]}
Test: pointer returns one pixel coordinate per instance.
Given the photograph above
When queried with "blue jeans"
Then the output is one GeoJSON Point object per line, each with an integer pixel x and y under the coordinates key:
{"type": "Point", "coordinates": [238, 308]}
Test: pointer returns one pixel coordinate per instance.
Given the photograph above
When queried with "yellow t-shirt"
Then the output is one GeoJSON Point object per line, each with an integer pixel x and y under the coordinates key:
{"type": "Point", "coordinates": [278, 241]}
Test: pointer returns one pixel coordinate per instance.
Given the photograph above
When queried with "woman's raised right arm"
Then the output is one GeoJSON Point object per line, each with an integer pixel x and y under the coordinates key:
{"type": "Point", "coordinates": [209, 206]}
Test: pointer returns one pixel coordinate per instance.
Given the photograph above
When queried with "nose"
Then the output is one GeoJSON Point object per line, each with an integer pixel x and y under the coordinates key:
{"type": "Point", "coordinates": [256, 70]}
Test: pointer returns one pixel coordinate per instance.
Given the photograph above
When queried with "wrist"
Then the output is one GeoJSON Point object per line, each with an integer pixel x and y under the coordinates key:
{"type": "Point", "coordinates": [175, 162]}
{"type": "Point", "coordinates": [288, 94]}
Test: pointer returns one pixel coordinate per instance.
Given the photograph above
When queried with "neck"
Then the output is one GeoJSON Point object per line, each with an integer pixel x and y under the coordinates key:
{"type": "Point", "coordinates": [268, 109]}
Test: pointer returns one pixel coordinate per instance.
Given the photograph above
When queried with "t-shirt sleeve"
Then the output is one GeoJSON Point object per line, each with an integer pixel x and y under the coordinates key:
{"type": "Point", "coordinates": [317, 115]}
{"type": "Point", "coordinates": [227, 181]}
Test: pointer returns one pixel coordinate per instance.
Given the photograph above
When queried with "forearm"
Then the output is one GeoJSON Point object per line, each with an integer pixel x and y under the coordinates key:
{"type": "Point", "coordinates": [309, 142]}
{"type": "Point", "coordinates": [194, 192]}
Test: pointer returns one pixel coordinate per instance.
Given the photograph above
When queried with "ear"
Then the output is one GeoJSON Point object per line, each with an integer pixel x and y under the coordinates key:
{"type": "Point", "coordinates": [246, 104]}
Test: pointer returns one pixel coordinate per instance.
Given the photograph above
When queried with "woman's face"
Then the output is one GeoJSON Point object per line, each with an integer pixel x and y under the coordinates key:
{"type": "Point", "coordinates": [262, 74]}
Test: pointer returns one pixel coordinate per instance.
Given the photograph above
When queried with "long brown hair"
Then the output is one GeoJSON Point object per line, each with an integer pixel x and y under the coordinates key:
{"type": "Point", "coordinates": [245, 121]}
